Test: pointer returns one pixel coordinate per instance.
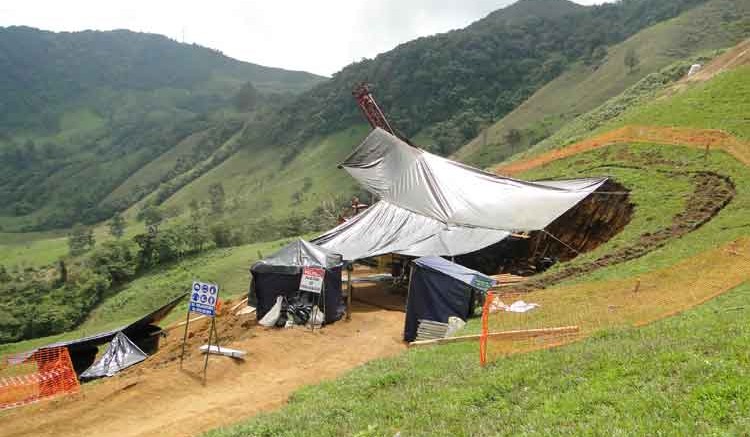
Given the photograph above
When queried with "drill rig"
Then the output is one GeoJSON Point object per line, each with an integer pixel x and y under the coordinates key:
{"type": "Point", "coordinates": [373, 113]}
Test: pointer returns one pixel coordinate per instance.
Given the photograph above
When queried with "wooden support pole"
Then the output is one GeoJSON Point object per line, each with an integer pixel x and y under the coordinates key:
{"type": "Point", "coordinates": [506, 335]}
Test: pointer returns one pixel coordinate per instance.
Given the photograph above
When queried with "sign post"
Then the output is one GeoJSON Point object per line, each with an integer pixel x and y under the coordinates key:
{"type": "Point", "coordinates": [203, 300]}
{"type": "Point", "coordinates": [313, 280]}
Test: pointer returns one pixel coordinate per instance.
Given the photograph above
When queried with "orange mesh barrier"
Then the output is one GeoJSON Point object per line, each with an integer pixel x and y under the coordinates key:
{"type": "Point", "coordinates": [43, 374]}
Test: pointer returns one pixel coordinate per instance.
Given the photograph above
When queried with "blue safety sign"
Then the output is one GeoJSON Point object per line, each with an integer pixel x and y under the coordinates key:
{"type": "Point", "coordinates": [203, 298]}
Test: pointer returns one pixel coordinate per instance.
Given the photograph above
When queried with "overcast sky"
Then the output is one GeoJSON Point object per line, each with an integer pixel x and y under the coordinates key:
{"type": "Point", "coordinates": [320, 36]}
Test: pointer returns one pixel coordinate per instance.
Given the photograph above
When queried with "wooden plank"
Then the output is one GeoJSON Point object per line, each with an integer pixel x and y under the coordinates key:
{"type": "Point", "coordinates": [509, 335]}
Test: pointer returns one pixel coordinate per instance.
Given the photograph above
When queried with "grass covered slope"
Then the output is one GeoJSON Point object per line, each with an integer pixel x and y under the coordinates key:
{"type": "Point", "coordinates": [686, 375]}
{"type": "Point", "coordinates": [228, 267]}
{"type": "Point", "coordinates": [714, 25]}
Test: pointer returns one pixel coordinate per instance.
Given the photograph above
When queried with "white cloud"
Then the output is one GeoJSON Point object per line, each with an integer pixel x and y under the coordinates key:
{"type": "Point", "coordinates": [319, 36]}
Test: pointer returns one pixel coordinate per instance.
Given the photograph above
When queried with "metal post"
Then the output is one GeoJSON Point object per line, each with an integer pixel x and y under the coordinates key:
{"type": "Point", "coordinates": [208, 351]}
{"type": "Point", "coordinates": [184, 337]}
{"type": "Point", "coordinates": [316, 306]}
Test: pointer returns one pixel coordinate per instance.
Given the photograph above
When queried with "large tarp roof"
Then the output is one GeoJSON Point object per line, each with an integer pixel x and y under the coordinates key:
{"type": "Point", "coordinates": [387, 228]}
{"type": "Point", "coordinates": [297, 254]}
{"type": "Point", "coordinates": [456, 194]}
{"type": "Point", "coordinates": [434, 206]}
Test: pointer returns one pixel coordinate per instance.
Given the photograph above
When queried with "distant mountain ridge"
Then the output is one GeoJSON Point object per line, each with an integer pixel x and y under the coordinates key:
{"type": "Point", "coordinates": [42, 68]}
{"type": "Point", "coordinates": [68, 144]}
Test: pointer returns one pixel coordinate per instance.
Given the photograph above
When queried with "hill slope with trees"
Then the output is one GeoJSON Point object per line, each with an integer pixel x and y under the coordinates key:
{"type": "Point", "coordinates": [80, 112]}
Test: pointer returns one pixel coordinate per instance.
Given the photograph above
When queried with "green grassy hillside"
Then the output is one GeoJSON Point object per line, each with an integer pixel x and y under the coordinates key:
{"type": "Point", "coordinates": [714, 25]}
{"type": "Point", "coordinates": [229, 267]}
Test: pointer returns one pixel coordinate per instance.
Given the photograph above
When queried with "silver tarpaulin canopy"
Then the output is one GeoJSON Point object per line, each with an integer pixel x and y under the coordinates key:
{"type": "Point", "coordinates": [387, 228]}
{"type": "Point", "coordinates": [434, 206]}
{"type": "Point", "coordinates": [456, 194]}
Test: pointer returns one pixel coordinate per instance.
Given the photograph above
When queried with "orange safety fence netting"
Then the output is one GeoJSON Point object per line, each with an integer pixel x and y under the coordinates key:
{"type": "Point", "coordinates": [43, 374]}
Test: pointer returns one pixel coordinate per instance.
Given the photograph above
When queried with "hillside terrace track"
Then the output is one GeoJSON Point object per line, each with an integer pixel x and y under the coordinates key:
{"type": "Point", "coordinates": [714, 139]}
{"type": "Point", "coordinates": [712, 191]}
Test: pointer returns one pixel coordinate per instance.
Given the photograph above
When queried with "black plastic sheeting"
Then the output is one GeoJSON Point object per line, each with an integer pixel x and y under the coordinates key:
{"type": "Point", "coordinates": [266, 287]}
{"type": "Point", "coordinates": [120, 354]}
{"type": "Point", "coordinates": [440, 289]}
{"type": "Point", "coordinates": [83, 350]}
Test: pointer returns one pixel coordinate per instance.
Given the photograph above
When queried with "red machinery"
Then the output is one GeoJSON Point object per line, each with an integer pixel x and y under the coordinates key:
{"type": "Point", "coordinates": [372, 111]}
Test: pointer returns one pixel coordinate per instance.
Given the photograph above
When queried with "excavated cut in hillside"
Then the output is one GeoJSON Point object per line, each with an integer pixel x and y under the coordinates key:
{"type": "Point", "coordinates": [591, 223]}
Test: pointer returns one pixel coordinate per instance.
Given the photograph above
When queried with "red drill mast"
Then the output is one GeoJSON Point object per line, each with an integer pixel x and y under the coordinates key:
{"type": "Point", "coordinates": [369, 108]}
{"type": "Point", "coordinates": [372, 111]}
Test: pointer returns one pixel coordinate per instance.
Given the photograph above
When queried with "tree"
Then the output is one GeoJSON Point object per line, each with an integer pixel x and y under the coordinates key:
{"type": "Point", "coordinates": [117, 226]}
{"type": "Point", "coordinates": [63, 270]}
{"type": "Point", "coordinates": [631, 59]}
{"type": "Point", "coordinates": [513, 138]}
{"type": "Point", "coordinates": [4, 276]}
{"type": "Point", "coordinates": [151, 216]}
{"type": "Point", "coordinates": [217, 197]}
{"type": "Point", "coordinates": [80, 240]}
{"type": "Point", "coordinates": [247, 98]}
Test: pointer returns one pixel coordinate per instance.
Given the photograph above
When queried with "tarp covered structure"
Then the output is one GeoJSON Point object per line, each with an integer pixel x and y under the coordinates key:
{"type": "Point", "coordinates": [120, 354]}
{"type": "Point", "coordinates": [280, 275]}
{"type": "Point", "coordinates": [83, 350]}
{"type": "Point", "coordinates": [434, 206]}
{"type": "Point", "coordinates": [439, 289]}
{"type": "Point", "coordinates": [386, 228]}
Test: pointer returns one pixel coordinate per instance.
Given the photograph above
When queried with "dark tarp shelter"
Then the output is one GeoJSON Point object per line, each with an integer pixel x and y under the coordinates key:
{"type": "Point", "coordinates": [83, 350]}
{"type": "Point", "coordinates": [280, 275]}
{"type": "Point", "coordinates": [120, 354]}
{"type": "Point", "coordinates": [439, 289]}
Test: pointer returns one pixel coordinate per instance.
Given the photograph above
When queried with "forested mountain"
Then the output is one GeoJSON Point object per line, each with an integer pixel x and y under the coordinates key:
{"type": "Point", "coordinates": [80, 112]}
{"type": "Point", "coordinates": [43, 69]}
{"type": "Point", "coordinates": [93, 122]}
{"type": "Point", "coordinates": [450, 85]}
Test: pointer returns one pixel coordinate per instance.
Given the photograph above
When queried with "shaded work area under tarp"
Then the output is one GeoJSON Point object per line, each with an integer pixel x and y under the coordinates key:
{"type": "Point", "coordinates": [440, 289]}
{"type": "Point", "coordinates": [280, 274]}
{"type": "Point", "coordinates": [143, 333]}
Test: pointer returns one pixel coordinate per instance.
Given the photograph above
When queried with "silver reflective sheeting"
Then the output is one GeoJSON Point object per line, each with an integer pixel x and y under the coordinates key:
{"type": "Point", "coordinates": [386, 228]}
{"type": "Point", "coordinates": [120, 354]}
{"type": "Point", "coordinates": [455, 194]}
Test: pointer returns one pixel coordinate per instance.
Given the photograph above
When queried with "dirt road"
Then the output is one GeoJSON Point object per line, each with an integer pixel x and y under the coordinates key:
{"type": "Point", "coordinates": [157, 398]}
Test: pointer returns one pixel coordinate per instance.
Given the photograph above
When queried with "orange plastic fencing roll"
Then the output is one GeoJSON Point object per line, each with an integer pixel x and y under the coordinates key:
{"type": "Point", "coordinates": [32, 377]}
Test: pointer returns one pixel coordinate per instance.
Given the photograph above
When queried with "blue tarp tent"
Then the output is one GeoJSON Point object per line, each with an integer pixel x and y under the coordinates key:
{"type": "Point", "coordinates": [439, 289]}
